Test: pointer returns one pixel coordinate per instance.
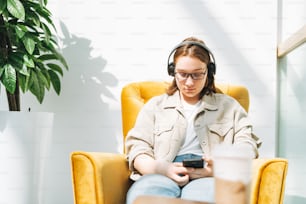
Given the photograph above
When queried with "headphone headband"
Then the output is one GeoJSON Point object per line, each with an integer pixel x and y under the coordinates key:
{"type": "Point", "coordinates": [211, 66]}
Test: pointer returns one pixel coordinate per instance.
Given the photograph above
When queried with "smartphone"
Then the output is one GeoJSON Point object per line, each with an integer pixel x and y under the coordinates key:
{"type": "Point", "coordinates": [194, 163]}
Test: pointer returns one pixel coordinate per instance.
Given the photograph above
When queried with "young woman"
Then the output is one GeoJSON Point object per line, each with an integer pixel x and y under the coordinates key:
{"type": "Point", "coordinates": [186, 122]}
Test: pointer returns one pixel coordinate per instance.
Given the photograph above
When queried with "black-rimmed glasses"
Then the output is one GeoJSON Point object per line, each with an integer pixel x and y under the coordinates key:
{"type": "Point", "coordinates": [181, 76]}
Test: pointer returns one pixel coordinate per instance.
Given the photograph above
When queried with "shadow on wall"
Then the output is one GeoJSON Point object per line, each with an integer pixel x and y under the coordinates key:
{"type": "Point", "coordinates": [83, 118]}
{"type": "Point", "coordinates": [87, 81]}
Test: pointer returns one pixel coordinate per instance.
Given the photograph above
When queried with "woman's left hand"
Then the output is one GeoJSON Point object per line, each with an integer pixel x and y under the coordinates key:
{"type": "Point", "coordinates": [207, 171]}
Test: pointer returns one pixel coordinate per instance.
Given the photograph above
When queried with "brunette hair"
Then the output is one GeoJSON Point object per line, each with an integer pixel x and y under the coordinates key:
{"type": "Point", "coordinates": [196, 51]}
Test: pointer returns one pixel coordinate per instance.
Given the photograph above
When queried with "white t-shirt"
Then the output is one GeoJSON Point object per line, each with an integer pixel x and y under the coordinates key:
{"type": "Point", "coordinates": [191, 144]}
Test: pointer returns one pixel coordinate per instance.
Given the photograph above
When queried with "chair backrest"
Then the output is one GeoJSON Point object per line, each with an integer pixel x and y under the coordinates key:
{"type": "Point", "coordinates": [136, 94]}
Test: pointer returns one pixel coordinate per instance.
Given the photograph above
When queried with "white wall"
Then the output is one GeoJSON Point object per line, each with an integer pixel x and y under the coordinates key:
{"type": "Point", "coordinates": [111, 43]}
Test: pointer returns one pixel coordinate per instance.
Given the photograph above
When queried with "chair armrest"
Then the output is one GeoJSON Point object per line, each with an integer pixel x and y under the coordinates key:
{"type": "Point", "coordinates": [99, 177]}
{"type": "Point", "coordinates": [268, 182]}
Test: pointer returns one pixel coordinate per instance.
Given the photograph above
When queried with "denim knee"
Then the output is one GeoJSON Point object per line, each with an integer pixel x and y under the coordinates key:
{"type": "Point", "coordinates": [153, 184]}
{"type": "Point", "coordinates": [202, 189]}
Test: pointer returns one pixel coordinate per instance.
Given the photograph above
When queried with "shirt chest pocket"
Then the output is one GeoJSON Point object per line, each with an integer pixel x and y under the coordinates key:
{"type": "Point", "coordinates": [221, 132]}
{"type": "Point", "coordinates": [162, 139]}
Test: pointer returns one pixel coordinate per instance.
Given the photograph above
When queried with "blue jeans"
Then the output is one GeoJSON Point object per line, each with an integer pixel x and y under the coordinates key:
{"type": "Point", "coordinates": [155, 184]}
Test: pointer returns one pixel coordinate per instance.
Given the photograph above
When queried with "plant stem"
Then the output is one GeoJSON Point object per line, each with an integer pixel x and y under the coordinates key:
{"type": "Point", "coordinates": [13, 100]}
{"type": "Point", "coordinates": [3, 38]}
{"type": "Point", "coordinates": [5, 48]}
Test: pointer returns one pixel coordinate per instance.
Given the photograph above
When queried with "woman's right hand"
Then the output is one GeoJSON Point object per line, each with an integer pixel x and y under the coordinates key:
{"type": "Point", "coordinates": [175, 171]}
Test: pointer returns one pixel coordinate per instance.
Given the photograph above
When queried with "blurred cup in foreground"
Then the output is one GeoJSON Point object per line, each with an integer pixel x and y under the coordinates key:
{"type": "Point", "coordinates": [232, 172]}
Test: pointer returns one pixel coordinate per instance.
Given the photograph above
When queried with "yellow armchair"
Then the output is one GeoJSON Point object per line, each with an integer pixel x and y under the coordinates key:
{"type": "Point", "coordinates": [103, 178]}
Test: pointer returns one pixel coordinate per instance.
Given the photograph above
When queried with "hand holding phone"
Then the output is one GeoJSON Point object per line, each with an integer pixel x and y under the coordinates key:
{"type": "Point", "coordinates": [194, 163]}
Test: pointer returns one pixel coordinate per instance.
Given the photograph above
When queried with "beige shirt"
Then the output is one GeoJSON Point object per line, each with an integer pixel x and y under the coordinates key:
{"type": "Point", "coordinates": [160, 127]}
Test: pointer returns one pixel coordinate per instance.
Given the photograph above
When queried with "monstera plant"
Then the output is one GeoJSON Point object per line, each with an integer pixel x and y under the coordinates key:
{"type": "Point", "coordinates": [29, 56]}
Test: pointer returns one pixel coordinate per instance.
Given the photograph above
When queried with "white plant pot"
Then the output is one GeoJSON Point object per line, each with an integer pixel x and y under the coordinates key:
{"type": "Point", "coordinates": [25, 140]}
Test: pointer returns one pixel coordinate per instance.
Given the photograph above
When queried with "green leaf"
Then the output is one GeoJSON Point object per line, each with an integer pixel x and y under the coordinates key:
{"type": "Point", "coordinates": [2, 6]}
{"type": "Point", "coordinates": [29, 44]}
{"type": "Point", "coordinates": [36, 87]}
{"type": "Point", "coordinates": [24, 70]}
{"type": "Point", "coordinates": [47, 76]}
{"type": "Point", "coordinates": [1, 71]}
{"type": "Point", "coordinates": [56, 67]}
{"type": "Point", "coordinates": [44, 45]}
{"type": "Point", "coordinates": [9, 78]}
{"type": "Point", "coordinates": [24, 82]}
{"type": "Point", "coordinates": [55, 80]}
{"type": "Point", "coordinates": [16, 8]}
{"type": "Point", "coordinates": [28, 61]}
{"type": "Point", "coordinates": [43, 12]}
{"type": "Point", "coordinates": [42, 78]}
{"type": "Point", "coordinates": [33, 17]}
{"type": "Point", "coordinates": [54, 56]}
{"type": "Point", "coordinates": [16, 60]}
{"type": "Point", "coordinates": [19, 31]}
{"type": "Point", "coordinates": [45, 57]}
{"type": "Point", "coordinates": [61, 59]}
{"type": "Point", "coordinates": [47, 32]}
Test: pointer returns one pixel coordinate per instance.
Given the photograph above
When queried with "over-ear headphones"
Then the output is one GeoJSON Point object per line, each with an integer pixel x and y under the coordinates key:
{"type": "Point", "coordinates": [211, 65]}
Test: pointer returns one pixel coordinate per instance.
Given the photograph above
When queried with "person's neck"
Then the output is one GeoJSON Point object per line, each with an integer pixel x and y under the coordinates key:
{"type": "Point", "coordinates": [190, 101]}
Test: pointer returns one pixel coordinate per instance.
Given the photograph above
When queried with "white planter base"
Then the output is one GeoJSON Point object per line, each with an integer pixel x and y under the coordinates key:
{"type": "Point", "coordinates": [24, 146]}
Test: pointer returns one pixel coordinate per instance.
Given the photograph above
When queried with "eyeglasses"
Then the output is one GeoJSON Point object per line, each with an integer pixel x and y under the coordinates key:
{"type": "Point", "coordinates": [182, 76]}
